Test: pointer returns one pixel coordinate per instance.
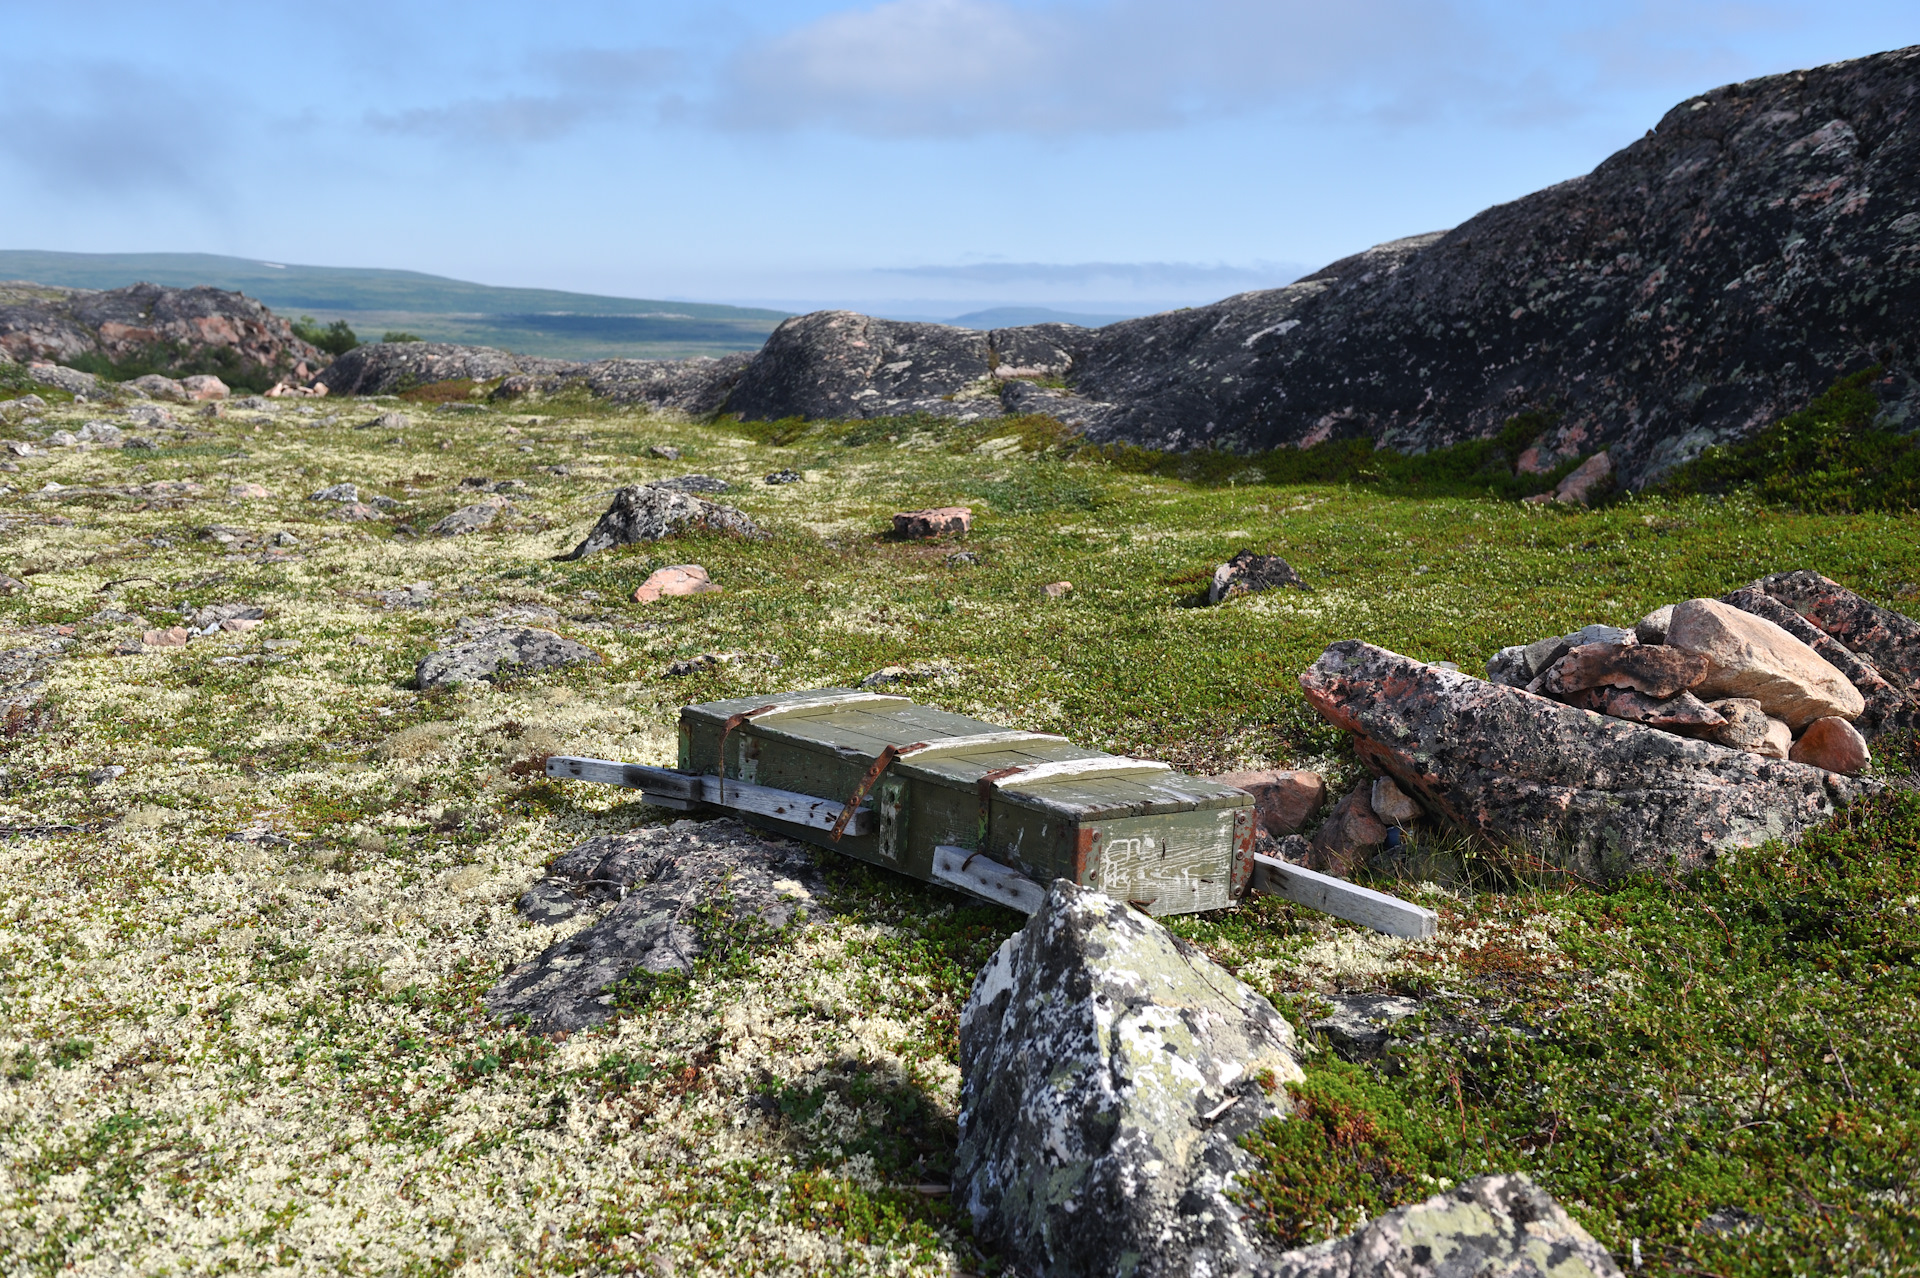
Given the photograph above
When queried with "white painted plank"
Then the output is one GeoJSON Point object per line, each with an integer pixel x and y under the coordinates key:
{"type": "Point", "coordinates": [975, 874]}
{"type": "Point", "coordinates": [679, 791]}
{"type": "Point", "coordinates": [1343, 900]}
{"type": "Point", "coordinates": [1035, 772]}
{"type": "Point", "coordinates": [975, 741]}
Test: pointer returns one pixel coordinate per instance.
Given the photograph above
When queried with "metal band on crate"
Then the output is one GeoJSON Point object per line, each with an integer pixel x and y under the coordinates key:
{"type": "Point", "coordinates": [985, 788]}
{"type": "Point", "coordinates": [733, 721]}
{"type": "Point", "coordinates": [880, 765]}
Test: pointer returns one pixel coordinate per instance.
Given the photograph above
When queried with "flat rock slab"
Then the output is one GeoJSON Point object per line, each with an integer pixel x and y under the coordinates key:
{"type": "Point", "coordinates": [651, 513]}
{"type": "Point", "coordinates": [511, 650]}
{"type": "Point", "coordinates": [667, 881]}
{"type": "Point", "coordinates": [1489, 1227]}
{"type": "Point", "coordinates": [1599, 796]}
{"type": "Point", "coordinates": [1108, 1071]}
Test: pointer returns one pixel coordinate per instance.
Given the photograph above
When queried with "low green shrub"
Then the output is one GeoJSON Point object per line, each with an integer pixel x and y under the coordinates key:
{"type": "Point", "coordinates": [1828, 458]}
{"type": "Point", "coordinates": [394, 335]}
{"type": "Point", "coordinates": [336, 338]}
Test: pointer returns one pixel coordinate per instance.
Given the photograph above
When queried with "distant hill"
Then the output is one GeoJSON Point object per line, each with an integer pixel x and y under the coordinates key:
{"type": "Point", "coordinates": [1021, 316]}
{"type": "Point", "coordinates": [532, 321]}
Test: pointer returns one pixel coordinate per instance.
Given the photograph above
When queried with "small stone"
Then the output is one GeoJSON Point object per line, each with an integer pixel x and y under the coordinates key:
{"type": "Point", "coordinates": [387, 421]}
{"type": "Point", "coordinates": [13, 586]}
{"type": "Point", "coordinates": [664, 452]}
{"type": "Point", "coordinates": [1683, 713]}
{"type": "Point", "coordinates": [1057, 589]}
{"type": "Point", "coordinates": [1593, 477]}
{"type": "Point", "coordinates": [1833, 744]}
{"type": "Point", "coordinates": [1779, 740]}
{"type": "Point", "coordinates": [1349, 836]}
{"type": "Point", "coordinates": [467, 519]}
{"type": "Point", "coordinates": [160, 387]}
{"type": "Point", "coordinates": [693, 484]}
{"type": "Point", "coordinates": [1392, 805]}
{"type": "Point", "coordinates": [784, 477]}
{"type": "Point", "coordinates": [354, 512]}
{"type": "Point", "coordinates": [204, 386]}
{"type": "Point", "coordinates": [1284, 801]}
{"type": "Point", "coordinates": [936, 521]}
{"type": "Point", "coordinates": [248, 492]}
{"type": "Point", "coordinates": [516, 650]}
{"type": "Point", "coordinates": [703, 661]}
{"type": "Point", "coordinates": [962, 558]}
{"type": "Point", "coordinates": [1652, 628]}
{"type": "Point", "coordinates": [650, 513]}
{"type": "Point", "coordinates": [675, 581]}
{"type": "Point", "coordinates": [1518, 666]}
{"type": "Point", "coordinates": [1659, 672]}
{"type": "Point", "coordinates": [176, 637]}
{"type": "Point", "coordinates": [338, 492]}
{"type": "Point", "coordinates": [1749, 656]}
{"type": "Point", "coordinates": [285, 539]}
{"type": "Point", "coordinates": [1247, 573]}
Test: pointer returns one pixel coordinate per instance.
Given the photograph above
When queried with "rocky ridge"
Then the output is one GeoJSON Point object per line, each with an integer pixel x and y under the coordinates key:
{"type": "Point", "coordinates": [39, 324]}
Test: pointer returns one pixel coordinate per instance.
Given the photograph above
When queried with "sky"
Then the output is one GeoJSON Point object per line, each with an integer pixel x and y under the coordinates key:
{"type": "Point", "coordinates": [909, 156]}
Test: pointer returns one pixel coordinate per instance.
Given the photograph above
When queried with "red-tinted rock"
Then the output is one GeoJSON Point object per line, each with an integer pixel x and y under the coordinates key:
{"type": "Point", "coordinates": [1683, 713]}
{"type": "Point", "coordinates": [1833, 744]}
{"type": "Point", "coordinates": [1659, 672]}
{"type": "Point", "coordinates": [1349, 836]}
{"type": "Point", "coordinates": [1602, 796]}
{"type": "Point", "coordinates": [673, 582]}
{"type": "Point", "coordinates": [940, 521]}
{"type": "Point", "coordinates": [1391, 804]}
{"type": "Point", "coordinates": [1874, 647]}
{"type": "Point", "coordinates": [1057, 589]}
{"type": "Point", "coordinates": [1591, 478]}
{"type": "Point", "coordinates": [1749, 656]}
{"type": "Point", "coordinates": [1284, 802]}
{"type": "Point", "coordinates": [204, 386]}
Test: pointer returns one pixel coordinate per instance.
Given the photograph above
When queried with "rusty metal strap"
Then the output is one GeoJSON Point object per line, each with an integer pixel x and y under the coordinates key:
{"type": "Point", "coordinates": [733, 721]}
{"type": "Point", "coordinates": [884, 761]}
{"type": "Point", "coordinates": [985, 787]}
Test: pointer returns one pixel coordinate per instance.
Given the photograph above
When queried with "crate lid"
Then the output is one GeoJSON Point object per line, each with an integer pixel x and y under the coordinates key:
{"type": "Point", "coordinates": [1029, 769]}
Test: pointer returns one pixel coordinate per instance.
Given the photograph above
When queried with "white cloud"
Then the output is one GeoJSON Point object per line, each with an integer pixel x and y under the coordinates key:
{"type": "Point", "coordinates": [962, 67]}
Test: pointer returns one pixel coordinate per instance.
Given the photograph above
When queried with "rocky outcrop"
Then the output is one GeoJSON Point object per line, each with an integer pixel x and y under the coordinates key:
{"type": "Point", "coordinates": [665, 883]}
{"type": "Point", "coordinates": [1600, 796]}
{"type": "Point", "coordinates": [1877, 648]}
{"type": "Point", "coordinates": [1492, 1227]}
{"type": "Point", "coordinates": [1108, 1072]}
{"type": "Point", "coordinates": [1249, 574]}
{"type": "Point", "coordinates": [1749, 656]}
{"type": "Point", "coordinates": [510, 650]}
{"type": "Point", "coordinates": [181, 327]}
{"type": "Point", "coordinates": [1712, 276]}
{"type": "Point", "coordinates": [384, 368]}
{"type": "Point", "coordinates": [652, 512]}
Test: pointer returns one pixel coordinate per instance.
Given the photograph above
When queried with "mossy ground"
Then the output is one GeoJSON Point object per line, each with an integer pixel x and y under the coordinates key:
{"type": "Point", "coordinates": [248, 1055]}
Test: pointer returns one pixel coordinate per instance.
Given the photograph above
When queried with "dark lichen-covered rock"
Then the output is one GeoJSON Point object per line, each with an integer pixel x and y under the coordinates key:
{"type": "Point", "coordinates": [1877, 648]}
{"type": "Point", "coordinates": [382, 368]}
{"type": "Point", "coordinates": [842, 364]}
{"type": "Point", "coordinates": [668, 883]}
{"type": "Point", "coordinates": [650, 513]}
{"type": "Point", "coordinates": [1108, 1071]}
{"type": "Point", "coordinates": [510, 650]}
{"type": "Point", "coordinates": [1601, 796]}
{"type": "Point", "coordinates": [1492, 1227]}
{"type": "Point", "coordinates": [1247, 574]}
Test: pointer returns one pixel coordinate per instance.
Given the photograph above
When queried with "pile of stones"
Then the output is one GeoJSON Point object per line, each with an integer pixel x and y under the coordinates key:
{"type": "Point", "coordinates": [1703, 669]}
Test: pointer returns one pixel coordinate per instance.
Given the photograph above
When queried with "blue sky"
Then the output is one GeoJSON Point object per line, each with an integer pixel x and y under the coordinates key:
{"type": "Point", "coordinates": [931, 155]}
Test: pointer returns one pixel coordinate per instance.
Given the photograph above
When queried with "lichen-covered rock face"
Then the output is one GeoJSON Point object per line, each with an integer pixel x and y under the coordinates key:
{"type": "Point", "coordinates": [1108, 1070]}
{"type": "Point", "coordinates": [512, 650]}
{"type": "Point", "coordinates": [1492, 1227]}
{"type": "Point", "coordinates": [650, 513]}
{"type": "Point", "coordinates": [1247, 573]}
{"type": "Point", "coordinates": [843, 364]}
{"type": "Point", "coordinates": [63, 324]}
{"type": "Point", "coordinates": [662, 880]}
{"type": "Point", "coordinates": [1600, 796]}
{"type": "Point", "coordinates": [381, 368]}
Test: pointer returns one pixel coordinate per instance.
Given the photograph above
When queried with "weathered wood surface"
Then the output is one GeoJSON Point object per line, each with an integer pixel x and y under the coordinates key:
{"type": "Point", "coordinates": [677, 790]}
{"type": "Point", "coordinates": [974, 873]}
{"type": "Point", "coordinates": [1343, 900]}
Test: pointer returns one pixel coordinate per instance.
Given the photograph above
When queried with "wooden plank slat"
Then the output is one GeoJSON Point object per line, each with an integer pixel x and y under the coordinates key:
{"type": "Point", "coordinates": [681, 792]}
{"type": "Point", "coordinates": [987, 879]}
{"type": "Point", "coordinates": [1075, 768]}
{"type": "Point", "coordinates": [1343, 900]}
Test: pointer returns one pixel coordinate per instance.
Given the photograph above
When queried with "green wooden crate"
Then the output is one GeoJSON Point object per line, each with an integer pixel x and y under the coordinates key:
{"type": "Point", "coordinates": [1035, 802]}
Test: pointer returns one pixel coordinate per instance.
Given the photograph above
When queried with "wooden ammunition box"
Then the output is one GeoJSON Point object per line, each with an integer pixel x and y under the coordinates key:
{"type": "Point", "coordinates": [1035, 802]}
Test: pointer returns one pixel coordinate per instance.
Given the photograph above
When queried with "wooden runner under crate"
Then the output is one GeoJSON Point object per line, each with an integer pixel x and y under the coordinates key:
{"type": "Point", "coordinates": [993, 812]}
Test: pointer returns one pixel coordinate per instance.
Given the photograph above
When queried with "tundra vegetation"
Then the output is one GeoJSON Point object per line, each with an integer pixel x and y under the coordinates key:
{"type": "Point", "coordinates": [253, 888]}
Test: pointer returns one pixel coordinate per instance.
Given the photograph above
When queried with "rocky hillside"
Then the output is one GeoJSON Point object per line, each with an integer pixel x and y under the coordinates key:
{"type": "Point", "coordinates": [1761, 241]}
{"type": "Point", "coordinates": [152, 329]}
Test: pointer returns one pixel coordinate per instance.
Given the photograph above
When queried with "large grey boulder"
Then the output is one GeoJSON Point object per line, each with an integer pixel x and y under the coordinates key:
{"type": "Point", "coordinates": [1600, 796]}
{"type": "Point", "coordinates": [650, 513]}
{"type": "Point", "coordinates": [1491, 1227]}
{"type": "Point", "coordinates": [666, 882]}
{"type": "Point", "coordinates": [696, 387]}
{"type": "Point", "coordinates": [1108, 1070]}
{"type": "Point", "coordinates": [510, 650]}
{"type": "Point", "coordinates": [381, 368]}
